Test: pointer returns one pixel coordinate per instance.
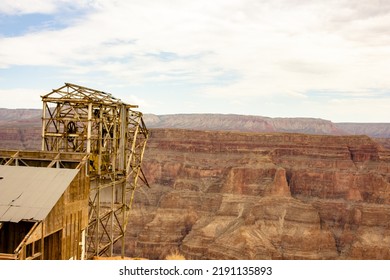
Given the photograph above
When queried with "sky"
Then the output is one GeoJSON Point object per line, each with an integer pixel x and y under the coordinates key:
{"type": "Point", "coordinates": [326, 59]}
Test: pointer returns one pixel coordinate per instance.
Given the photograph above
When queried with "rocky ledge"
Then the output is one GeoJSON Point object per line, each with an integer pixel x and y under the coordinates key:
{"type": "Point", "coordinates": [230, 195]}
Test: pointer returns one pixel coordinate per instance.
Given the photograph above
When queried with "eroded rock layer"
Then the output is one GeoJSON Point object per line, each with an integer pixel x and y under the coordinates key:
{"type": "Point", "coordinates": [225, 195]}
{"type": "Point", "coordinates": [230, 195]}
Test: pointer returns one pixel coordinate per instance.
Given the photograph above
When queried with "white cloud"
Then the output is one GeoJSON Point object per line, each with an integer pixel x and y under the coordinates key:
{"type": "Point", "coordinates": [21, 98]}
{"type": "Point", "coordinates": [357, 110]}
{"type": "Point", "coordinates": [26, 7]}
{"type": "Point", "coordinates": [275, 48]}
{"type": "Point", "coordinates": [18, 7]}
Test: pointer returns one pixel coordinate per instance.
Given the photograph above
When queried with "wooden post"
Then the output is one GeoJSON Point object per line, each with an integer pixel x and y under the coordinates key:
{"type": "Point", "coordinates": [97, 217]}
{"type": "Point", "coordinates": [43, 240]}
{"type": "Point", "coordinates": [43, 125]}
{"type": "Point", "coordinates": [122, 138]}
{"type": "Point", "coordinates": [82, 245]}
{"type": "Point", "coordinates": [124, 214]}
{"type": "Point", "coordinates": [89, 128]}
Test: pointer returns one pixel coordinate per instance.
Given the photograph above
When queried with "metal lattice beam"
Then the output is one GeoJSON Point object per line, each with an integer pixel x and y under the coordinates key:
{"type": "Point", "coordinates": [83, 120]}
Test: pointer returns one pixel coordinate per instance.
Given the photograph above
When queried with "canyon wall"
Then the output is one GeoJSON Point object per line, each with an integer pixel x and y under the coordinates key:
{"type": "Point", "coordinates": [20, 129]}
{"type": "Point", "coordinates": [225, 195]}
{"type": "Point", "coordinates": [236, 195]}
{"type": "Point", "coordinates": [226, 122]}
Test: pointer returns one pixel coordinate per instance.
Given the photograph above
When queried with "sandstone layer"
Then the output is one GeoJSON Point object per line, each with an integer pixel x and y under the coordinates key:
{"type": "Point", "coordinates": [231, 195]}
{"type": "Point", "coordinates": [225, 195]}
{"type": "Point", "coordinates": [225, 122]}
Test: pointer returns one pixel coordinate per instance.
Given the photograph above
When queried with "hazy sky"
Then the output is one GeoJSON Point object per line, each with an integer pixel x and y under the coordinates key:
{"type": "Point", "coordinates": [326, 59]}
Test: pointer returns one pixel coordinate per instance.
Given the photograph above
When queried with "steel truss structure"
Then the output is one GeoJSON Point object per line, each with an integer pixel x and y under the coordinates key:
{"type": "Point", "coordinates": [83, 120]}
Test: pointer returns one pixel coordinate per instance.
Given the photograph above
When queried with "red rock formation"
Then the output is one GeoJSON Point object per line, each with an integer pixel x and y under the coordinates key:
{"type": "Point", "coordinates": [225, 195]}
{"type": "Point", "coordinates": [16, 137]}
{"type": "Point", "coordinates": [229, 195]}
{"type": "Point", "coordinates": [385, 142]}
{"type": "Point", "coordinates": [242, 123]}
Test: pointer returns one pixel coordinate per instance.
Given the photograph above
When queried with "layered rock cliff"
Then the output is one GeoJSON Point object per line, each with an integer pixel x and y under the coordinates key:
{"type": "Point", "coordinates": [232, 195]}
{"type": "Point", "coordinates": [225, 122]}
{"type": "Point", "coordinates": [20, 129]}
{"type": "Point", "coordinates": [224, 195]}
{"type": "Point", "coordinates": [246, 123]}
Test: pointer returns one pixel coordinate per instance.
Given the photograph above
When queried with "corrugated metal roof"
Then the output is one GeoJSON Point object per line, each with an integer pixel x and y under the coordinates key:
{"type": "Point", "coordinates": [29, 193]}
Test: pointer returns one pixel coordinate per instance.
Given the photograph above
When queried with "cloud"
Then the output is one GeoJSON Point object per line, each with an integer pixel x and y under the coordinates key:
{"type": "Point", "coordinates": [21, 98]}
{"type": "Point", "coordinates": [258, 48]}
{"type": "Point", "coordinates": [358, 109]}
{"type": "Point", "coordinates": [19, 7]}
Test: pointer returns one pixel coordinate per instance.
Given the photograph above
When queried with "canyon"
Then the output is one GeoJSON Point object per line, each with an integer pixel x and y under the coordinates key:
{"type": "Point", "coordinates": [231, 195]}
{"type": "Point", "coordinates": [250, 194]}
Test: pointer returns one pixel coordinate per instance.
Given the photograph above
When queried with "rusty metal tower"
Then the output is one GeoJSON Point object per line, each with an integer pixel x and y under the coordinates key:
{"type": "Point", "coordinates": [80, 119]}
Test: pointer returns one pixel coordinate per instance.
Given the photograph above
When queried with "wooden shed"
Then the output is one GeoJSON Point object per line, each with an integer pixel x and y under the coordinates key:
{"type": "Point", "coordinates": [43, 205]}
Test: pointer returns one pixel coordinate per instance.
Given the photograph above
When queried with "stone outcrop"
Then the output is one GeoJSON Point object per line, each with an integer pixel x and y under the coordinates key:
{"type": "Point", "coordinates": [225, 195]}
{"type": "Point", "coordinates": [246, 123]}
{"type": "Point", "coordinates": [377, 130]}
{"type": "Point", "coordinates": [20, 129]}
{"type": "Point", "coordinates": [225, 122]}
{"type": "Point", "coordinates": [385, 142]}
{"type": "Point", "coordinates": [242, 123]}
{"type": "Point", "coordinates": [26, 137]}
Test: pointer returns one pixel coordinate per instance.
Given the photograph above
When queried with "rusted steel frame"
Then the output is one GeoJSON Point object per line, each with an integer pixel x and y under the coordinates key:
{"type": "Point", "coordinates": [42, 155]}
{"type": "Point", "coordinates": [54, 91]}
{"type": "Point", "coordinates": [124, 217]}
{"type": "Point", "coordinates": [70, 100]}
{"type": "Point", "coordinates": [135, 169]}
{"type": "Point", "coordinates": [106, 217]}
{"type": "Point", "coordinates": [43, 125]}
{"type": "Point", "coordinates": [108, 235]}
{"type": "Point", "coordinates": [92, 213]}
{"type": "Point", "coordinates": [104, 238]}
{"type": "Point", "coordinates": [89, 128]}
{"type": "Point", "coordinates": [81, 91]}
{"type": "Point", "coordinates": [125, 140]}
{"type": "Point", "coordinates": [95, 93]}
{"type": "Point", "coordinates": [83, 99]}
{"type": "Point", "coordinates": [52, 117]}
{"type": "Point", "coordinates": [115, 154]}
{"type": "Point", "coordinates": [107, 185]}
{"type": "Point", "coordinates": [132, 151]}
{"type": "Point", "coordinates": [97, 225]}
{"type": "Point", "coordinates": [143, 178]}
